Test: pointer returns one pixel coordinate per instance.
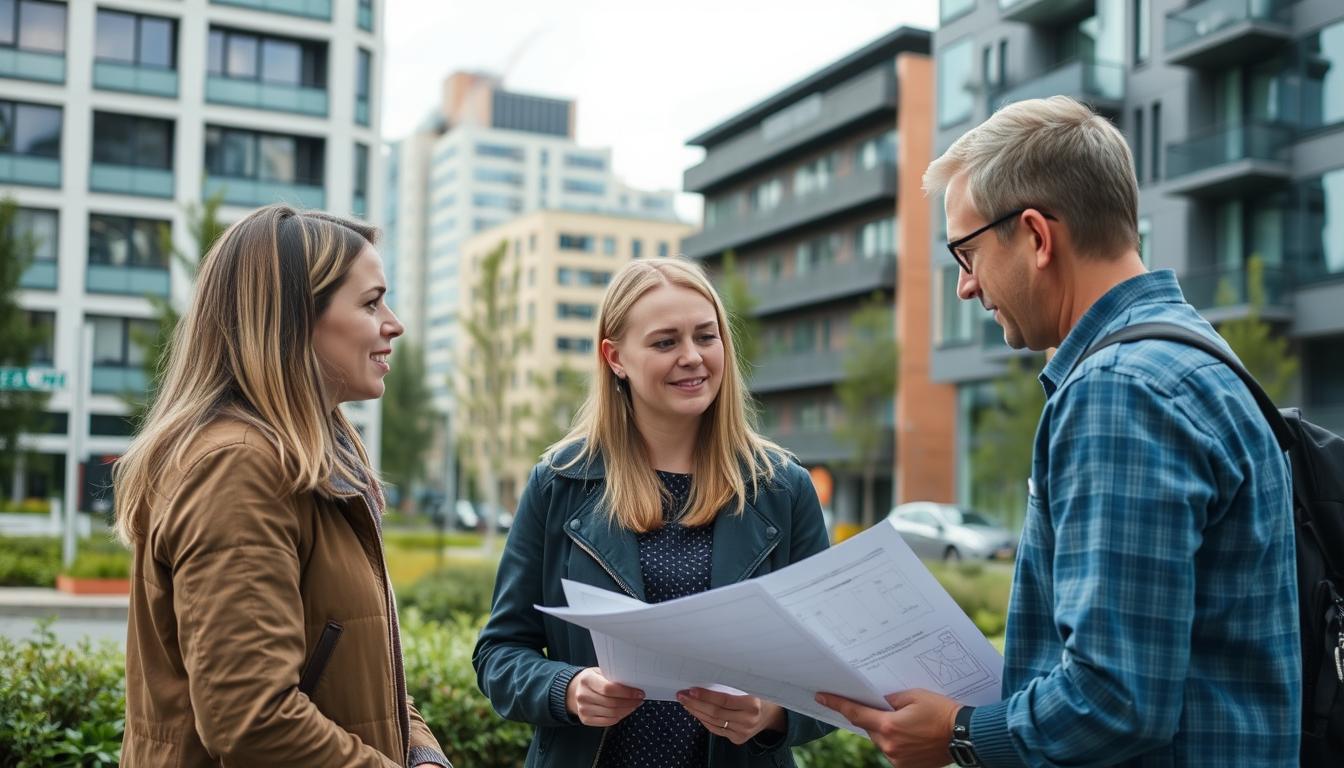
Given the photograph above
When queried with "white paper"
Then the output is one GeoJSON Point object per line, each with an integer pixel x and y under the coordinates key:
{"type": "Point", "coordinates": [862, 619]}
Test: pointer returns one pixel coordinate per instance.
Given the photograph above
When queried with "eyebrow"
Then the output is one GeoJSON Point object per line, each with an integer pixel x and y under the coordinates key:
{"type": "Point", "coordinates": [706, 324]}
{"type": "Point", "coordinates": [378, 290]}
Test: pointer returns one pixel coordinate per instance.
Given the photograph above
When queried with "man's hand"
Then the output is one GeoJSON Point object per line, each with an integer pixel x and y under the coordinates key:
{"type": "Point", "coordinates": [916, 735]}
{"type": "Point", "coordinates": [597, 701]}
{"type": "Point", "coordinates": [736, 718]}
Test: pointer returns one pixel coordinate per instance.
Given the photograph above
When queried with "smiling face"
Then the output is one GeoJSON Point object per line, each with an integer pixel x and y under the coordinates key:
{"type": "Point", "coordinates": [353, 336]}
{"type": "Point", "coordinates": [671, 354]}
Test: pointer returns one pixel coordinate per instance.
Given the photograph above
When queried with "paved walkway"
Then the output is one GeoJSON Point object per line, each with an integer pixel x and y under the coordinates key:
{"type": "Point", "coordinates": [96, 617]}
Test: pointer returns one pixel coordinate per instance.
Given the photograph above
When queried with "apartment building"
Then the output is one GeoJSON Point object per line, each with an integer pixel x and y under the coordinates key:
{"type": "Point", "coordinates": [115, 117]}
{"type": "Point", "coordinates": [816, 191]}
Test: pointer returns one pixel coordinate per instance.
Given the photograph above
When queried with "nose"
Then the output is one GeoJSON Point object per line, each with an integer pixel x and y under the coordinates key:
{"type": "Point", "coordinates": [392, 327]}
{"type": "Point", "coordinates": [968, 287]}
{"type": "Point", "coordinates": [690, 356]}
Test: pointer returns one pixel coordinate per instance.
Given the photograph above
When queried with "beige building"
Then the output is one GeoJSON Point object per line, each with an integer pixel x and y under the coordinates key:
{"type": "Point", "coordinates": [556, 268]}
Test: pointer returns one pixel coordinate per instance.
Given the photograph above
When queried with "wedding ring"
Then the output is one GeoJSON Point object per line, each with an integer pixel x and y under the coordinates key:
{"type": "Point", "coordinates": [725, 725]}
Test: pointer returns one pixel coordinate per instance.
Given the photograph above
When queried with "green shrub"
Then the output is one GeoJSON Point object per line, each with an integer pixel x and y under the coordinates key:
{"type": "Point", "coordinates": [101, 565]}
{"type": "Point", "coordinates": [29, 561]}
{"type": "Point", "coordinates": [841, 749]}
{"type": "Point", "coordinates": [62, 706]}
{"type": "Point", "coordinates": [430, 539]}
{"type": "Point", "coordinates": [26, 507]}
{"type": "Point", "coordinates": [458, 587]}
{"type": "Point", "coordinates": [980, 590]}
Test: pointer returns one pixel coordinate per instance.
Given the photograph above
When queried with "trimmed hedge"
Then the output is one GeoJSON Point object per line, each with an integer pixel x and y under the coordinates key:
{"type": "Point", "coordinates": [459, 588]}
{"type": "Point", "coordinates": [34, 561]}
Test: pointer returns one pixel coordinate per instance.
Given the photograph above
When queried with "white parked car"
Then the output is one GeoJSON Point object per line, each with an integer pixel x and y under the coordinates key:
{"type": "Point", "coordinates": [946, 532]}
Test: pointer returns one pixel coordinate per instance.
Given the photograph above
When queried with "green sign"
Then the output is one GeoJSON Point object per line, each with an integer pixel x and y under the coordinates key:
{"type": "Point", "coordinates": [43, 379]}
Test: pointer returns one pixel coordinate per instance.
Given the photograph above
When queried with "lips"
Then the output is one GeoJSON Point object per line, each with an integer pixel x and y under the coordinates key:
{"type": "Point", "coordinates": [690, 383]}
{"type": "Point", "coordinates": [380, 359]}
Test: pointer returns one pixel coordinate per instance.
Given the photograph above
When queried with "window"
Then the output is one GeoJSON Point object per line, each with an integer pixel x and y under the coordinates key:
{"type": "Point", "coordinates": [587, 162]}
{"type": "Point", "coordinates": [32, 25]}
{"type": "Point", "coordinates": [1157, 141]}
{"type": "Point", "coordinates": [130, 140]}
{"type": "Point", "coordinates": [1143, 30]}
{"type": "Point", "coordinates": [608, 246]}
{"type": "Point", "coordinates": [1146, 241]}
{"type": "Point", "coordinates": [136, 40]}
{"type": "Point", "coordinates": [361, 169]}
{"type": "Point", "coordinates": [582, 187]}
{"type": "Point", "coordinates": [1323, 77]}
{"type": "Point", "coordinates": [663, 250]}
{"type": "Point", "coordinates": [879, 150]}
{"type": "Point", "coordinates": [499, 202]}
{"type": "Point", "coordinates": [957, 325]}
{"type": "Point", "coordinates": [121, 241]}
{"type": "Point", "coordinates": [500, 151]}
{"type": "Point", "coordinates": [30, 129]}
{"type": "Point", "coordinates": [989, 68]}
{"type": "Point", "coordinates": [280, 60]}
{"type": "Point", "coordinates": [951, 9]}
{"type": "Point", "coordinates": [1138, 144]}
{"type": "Point", "coordinates": [766, 196]}
{"type": "Point", "coordinates": [498, 176]}
{"type": "Point", "coordinates": [956, 98]}
{"type": "Point", "coordinates": [567, 311]}
{"type": "Point", "coordinates": [585, 277]}
{"type": "Point", "coordinates": [117, 340]}
{"type": "Point", "coordinates": [1323, 227]}
{"type": "Point", "coordinates": [363, 85]}
{"type": "Point", "coordinates": [242, 154]}
{"type": "Point", "coordinates": [636, 248]}
{"type": "Point", "coordinates": [570, 242]}
{"type": "Point", "coordinates": [876, 239]}
{"type": "Point", "coordinates": [44, 351]}
{"type": "Point", "coordinates": [812, 254]}
{"type": "Point", "coordinates": [40, 227]}
{"type": "Point", "coordinates": [573, 344]}
{"type": "Point", "coordinates": [724, 209]}
{"type": "Point", "coordinates": [814, 176]}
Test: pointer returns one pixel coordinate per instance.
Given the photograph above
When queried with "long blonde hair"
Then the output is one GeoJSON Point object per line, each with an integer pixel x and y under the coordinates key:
{"type": "Point", "coordinates": [244, 351]}
{"type": "Point", "coordinates": [729, 452]}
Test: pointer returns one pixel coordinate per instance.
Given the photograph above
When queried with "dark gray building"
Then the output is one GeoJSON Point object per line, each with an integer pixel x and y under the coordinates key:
{"type": "Point", "coordinates": [1234, 110]}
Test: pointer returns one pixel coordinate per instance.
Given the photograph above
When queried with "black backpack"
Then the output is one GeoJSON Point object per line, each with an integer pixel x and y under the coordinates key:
{"type": "Point", "coordinates": [1317, 457]}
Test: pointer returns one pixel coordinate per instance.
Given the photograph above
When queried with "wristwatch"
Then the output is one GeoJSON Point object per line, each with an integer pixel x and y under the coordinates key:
{"type": "Point", "coordinates": [962, 748]}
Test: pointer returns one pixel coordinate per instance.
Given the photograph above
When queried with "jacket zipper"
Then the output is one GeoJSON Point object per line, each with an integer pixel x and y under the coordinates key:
{"type": "Point", "coordinates": [620, 583]}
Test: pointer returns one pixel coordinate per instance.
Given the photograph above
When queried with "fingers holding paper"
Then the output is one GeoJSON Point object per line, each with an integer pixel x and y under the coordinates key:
{"type": "Point", "coordinates": [736, 718]}
{"type": "Point", "coordinates": [915, 735]}
{"type": "Point", "coordinates": [599, 702]}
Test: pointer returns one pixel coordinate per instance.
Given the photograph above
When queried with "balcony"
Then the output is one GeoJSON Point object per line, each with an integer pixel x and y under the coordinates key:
{"type": "Point", "coordinates": [1219, 33]}
{"type": "Point", "coordinates": [814, 120]}
{"type": "Point", "coordinates": [131, 180]}
{"type": "Point", "coordinates": [826, 446]}
{"type": "Point", "coordinates": [129, 281]}
{"type": "Point", "coordinates": [32, 65]}
{"type": "Point", "coordinates": [1224, 293]}
{"type": "Point", "coordinates": [30, 170]}
{"type": "Point", "coordinates": [270, 96]}
{"type": "Point", "coordinates": [251, 193]}
{"type": "Point", "coordinates": [1230, 160]}
{"type": "Point", "coordinates": [845, 193]}
{"type": "Point", "coordinates": [118, 380]}
{"type": "Point", "coordinates": [799, 370]}
{"type": "Point", "coordinates": [149, 81]}
{"type": "Point", "coordinates": [40, 276]}
{"type": "Point", "coordinates": [832, 282]}
{"type": "Point", "coordinates": [1049, 12]}
{"type": "Point", "coordinates": [312, 9]}
{"type": "Point", "coordinates": [1097, 83]}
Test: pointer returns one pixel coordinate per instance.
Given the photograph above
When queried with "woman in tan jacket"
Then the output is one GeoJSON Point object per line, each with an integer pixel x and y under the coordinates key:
{"type": "Point", "coordinates": [263, 629]}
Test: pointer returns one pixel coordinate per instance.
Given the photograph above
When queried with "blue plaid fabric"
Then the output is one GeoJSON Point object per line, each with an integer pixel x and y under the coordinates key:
{"type": "Point", "coordinates": [1153, 618]}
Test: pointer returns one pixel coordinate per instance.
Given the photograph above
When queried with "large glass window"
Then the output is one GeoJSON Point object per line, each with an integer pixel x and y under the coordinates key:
{"type": "Point", "coordinates": [116, 340]}
{"type": "Point", "coordinates": [958, 320]}
{"type": "Point", "coordinates": [500, 151]}
{"type": "Point", "coordinates": [813, 176]}
{"type": "Point", "coordinates": [588, 162]}
{"type": "Point", "coordinates": [32, 25]}
{"type": "Point", "coordinates": [361, 169]}
{"type": "Point", "coordinates": [144, 142]}
{"type": "Point", "coordinates": [121, 241]}
{"type": "Point", "coordinates": [1143, 30]}
{"type": "Point", "coordinates": [879, 150]}
{"type": "Point", "coordinates": [956, 67]}
{"type": "Point", "coordinates": [951, 9]}
{"type": "Point", "coordinates": [363, 81]}
{"type": "Point", "coordinates": [237, 153]}
{"type": "Point", "coordinates": [142, 41]}
{"type": "Point", "coordinates": [284, 61]}
{"type": "Point", "coordinates": [1323, 225]}
{"type": "Point", "coordinates": [30, 129]}
{"type": "Point", "coordinates": [570, 242]}
{"type": "Point", "coordinates": [498, 176]}
{"type": "Point", "coordinates": [813, 254]}
{"type": "Point", "coordinates": [766, 196]}
{"type": "Point", "coordinates": [39, 226]}
{"type": "Point", "coordinates": [876, 239]}
{"type": "Point", "coordinates": [1323, 77]}
{"type": "Point", "coordinates": [44, 351]}
{"type": "Point", "coordinates": [584, 187]}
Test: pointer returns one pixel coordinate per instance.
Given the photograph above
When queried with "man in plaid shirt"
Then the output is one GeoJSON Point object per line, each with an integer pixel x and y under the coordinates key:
{"type": "Point", "coordinates": [1153, 618]}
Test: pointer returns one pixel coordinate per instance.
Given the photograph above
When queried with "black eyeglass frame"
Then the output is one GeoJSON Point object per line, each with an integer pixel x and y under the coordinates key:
{"type": "Point", "coordinates": [953, 245]}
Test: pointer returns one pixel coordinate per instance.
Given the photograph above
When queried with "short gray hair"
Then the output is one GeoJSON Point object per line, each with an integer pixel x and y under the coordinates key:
{"type": "Point", "coordinates": [1055, 154]}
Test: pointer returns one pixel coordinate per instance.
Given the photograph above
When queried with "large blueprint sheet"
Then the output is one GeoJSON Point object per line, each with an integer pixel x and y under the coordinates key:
{"type": "Point", "coordinates": [862, 619]}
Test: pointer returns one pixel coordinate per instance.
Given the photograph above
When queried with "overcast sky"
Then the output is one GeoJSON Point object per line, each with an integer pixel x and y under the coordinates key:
{"type": "Point", "coordinates": [647, 75]}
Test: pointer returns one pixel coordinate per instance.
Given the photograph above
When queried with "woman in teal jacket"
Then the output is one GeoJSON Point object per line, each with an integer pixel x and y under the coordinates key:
{"type": "Point", "coordinates": [661, 490]}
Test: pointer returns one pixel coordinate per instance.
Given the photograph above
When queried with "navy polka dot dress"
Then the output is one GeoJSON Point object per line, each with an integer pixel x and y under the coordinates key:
{"type": "Point", "coordinates": [675, 561]}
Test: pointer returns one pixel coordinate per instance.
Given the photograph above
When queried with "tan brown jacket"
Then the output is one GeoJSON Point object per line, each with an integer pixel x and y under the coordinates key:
{"type": "Point", "coordinates": [262, 626]}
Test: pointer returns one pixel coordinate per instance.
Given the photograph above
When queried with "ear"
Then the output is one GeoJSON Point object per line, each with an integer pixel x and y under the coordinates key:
{"type": "Point", "coordinates": [1043, 239]}
{"type": "Point", "coordinates": [612, 355]}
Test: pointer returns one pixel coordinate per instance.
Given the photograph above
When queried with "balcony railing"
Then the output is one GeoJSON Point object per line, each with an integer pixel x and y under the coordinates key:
{"type": "Point", "coordinates": [254, 192]}
{"type": "Point", "coordinates": [798, 370]}
{"type": "Point", "coordinates": [828, 283]}
{"type": "Point", "coordinates": [30, 170]}
{"type": "Point", "coordinates": [313, 9]}
{"type": "Point", "coordinates": [1046, 11]}
{"type": "Point", "coordinates": [271, 96]}
{"type": "Point", "coordinates": [131, 281]}
{"type": "Point", "coordinates": [131, 180]}
{"type": "Point", "coordinates": [1243, 155]}
{"type": "Point", "coordinates": [40, 275]}
{"type": "Point", "coordinates": [1098, 83]}
{"type": "Point", "coordinates": [1219, 32]}
{"type": "Point", "coordinates": [118, 380]}
{"type": "Point", "coordinates": [150, 81]}
{"type": "Point", "coordinates": [1230, 286]}
{"type": "Point", "coordinates": [825, 445]}
{"type": "Point", "coordinates": [32, 65]}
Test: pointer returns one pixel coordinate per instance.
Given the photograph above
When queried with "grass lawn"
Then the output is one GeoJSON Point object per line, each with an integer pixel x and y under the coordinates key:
{"type": "Point", "coordinates": [406, 565]}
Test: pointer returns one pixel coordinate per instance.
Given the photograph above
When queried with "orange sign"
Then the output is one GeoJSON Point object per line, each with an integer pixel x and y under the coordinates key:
{"type": "Point", "coordinates": [823, 483]}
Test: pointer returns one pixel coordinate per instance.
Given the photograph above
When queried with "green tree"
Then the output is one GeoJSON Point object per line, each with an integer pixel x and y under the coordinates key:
{"type": "Point", "coordinates": [1002, 439]}
{"type": "Point", "coordinates": [868, 391]}
{"type": "Point", "coordinates": [489, 430]}
{"type": "Point", "coordinates": [205, 227]}
{"type": "Point", "coordinates": [21, 411]}
{"type": "Point", "coordinates": [559, 400]}
{"type": "Point", "coordinates": [740, 304]}
{"type": "Point", "coordinates": [1264, 352]}
{"type": "Point", "coordinates": [408, 420]}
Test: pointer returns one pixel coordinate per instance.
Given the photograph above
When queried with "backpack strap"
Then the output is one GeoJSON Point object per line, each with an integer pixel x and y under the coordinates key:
{"type": "Point", "coordinates": [1182, 335]}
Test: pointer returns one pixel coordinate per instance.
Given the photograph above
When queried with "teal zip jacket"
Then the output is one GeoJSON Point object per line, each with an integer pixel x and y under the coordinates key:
{"type": "Point", "coordinates": [524, 659]}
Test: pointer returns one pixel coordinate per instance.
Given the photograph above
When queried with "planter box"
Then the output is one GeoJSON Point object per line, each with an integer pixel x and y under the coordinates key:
{"type": "Point", "coordinates": [77, 586]}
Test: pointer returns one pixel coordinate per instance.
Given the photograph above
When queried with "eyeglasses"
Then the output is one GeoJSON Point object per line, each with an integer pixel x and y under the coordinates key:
{"type": "Point", "coordinates": [962, 260]}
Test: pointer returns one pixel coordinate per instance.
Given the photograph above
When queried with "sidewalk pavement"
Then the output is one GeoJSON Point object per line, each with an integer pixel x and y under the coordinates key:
{"type": "Point", "coordinates": [39, 602]}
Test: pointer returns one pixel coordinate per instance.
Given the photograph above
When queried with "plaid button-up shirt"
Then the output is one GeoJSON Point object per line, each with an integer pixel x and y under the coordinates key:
{"type": "Point", "coordinates": [1154, 608]}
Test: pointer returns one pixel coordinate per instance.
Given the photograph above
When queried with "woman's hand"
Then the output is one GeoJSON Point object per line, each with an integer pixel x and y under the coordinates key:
{"type": "Point", "coordinates": [597, 701]}
{"type": "Point", "coordinates": [736, 718]}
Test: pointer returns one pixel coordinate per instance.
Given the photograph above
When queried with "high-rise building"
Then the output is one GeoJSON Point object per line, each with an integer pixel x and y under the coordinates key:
{"type": "Point", "coordinates": [1234, 111]}
{"type": "Point", "coordinates": [562, 262]}
{"type": "Point", "coordinates": [816, 191]}
{"type": "Point", "coordinates": [115, 118]}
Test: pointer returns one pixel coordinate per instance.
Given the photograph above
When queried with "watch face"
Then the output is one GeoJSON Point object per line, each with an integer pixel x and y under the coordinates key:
{"type": "Point", "coordinates": [963, 753]}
